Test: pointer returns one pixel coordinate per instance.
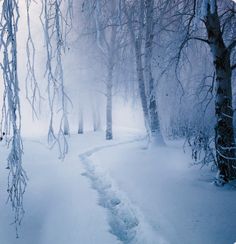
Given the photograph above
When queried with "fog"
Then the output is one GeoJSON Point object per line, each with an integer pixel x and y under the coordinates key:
{"type": "Point", "coordinates": [84, 83]}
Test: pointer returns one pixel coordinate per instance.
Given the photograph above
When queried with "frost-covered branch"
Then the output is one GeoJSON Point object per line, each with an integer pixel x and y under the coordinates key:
{"type": "Point", "coordinates": [32, 88]}
{"type": "Point", "coordinates": [11, 115]}
{"type": "Point", "coordinates": [56, 26]}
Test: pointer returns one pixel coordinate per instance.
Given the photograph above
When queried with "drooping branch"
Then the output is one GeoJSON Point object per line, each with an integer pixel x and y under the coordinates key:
{"type": "Point", "coordinates": [32, 88]}
{"type": "Point", "coordinates": [56, 27]}
{"type": "Point", "coordinates": [11, 116]}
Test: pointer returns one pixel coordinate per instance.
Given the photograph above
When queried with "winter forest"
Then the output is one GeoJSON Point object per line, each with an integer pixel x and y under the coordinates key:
{"type": "Point", "coordinates": [117, 121]}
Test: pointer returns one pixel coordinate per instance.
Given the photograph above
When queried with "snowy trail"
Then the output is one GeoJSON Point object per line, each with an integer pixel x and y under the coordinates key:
{"type": "Point", "coordinates": [116, 192]}
{"type": "Point", "coordinates": [177, 200]}
{"type": "Point", "coordinates": [126, 221]}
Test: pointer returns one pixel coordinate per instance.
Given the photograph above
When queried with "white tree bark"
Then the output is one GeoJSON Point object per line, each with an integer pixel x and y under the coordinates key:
{"type": "Point", "coordinates": [156, 135]}
{"type": "Point", "coordinates": [137, 41]}
{"type": "Point", "coordinates": [224, 132]}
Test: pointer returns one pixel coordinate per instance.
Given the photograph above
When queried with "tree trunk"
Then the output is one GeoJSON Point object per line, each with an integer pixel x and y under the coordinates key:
{"type": "Point", "coordinates": [156, 135]}
{"type": "Point", "coordinates": [224, 133]}
{"type": "Point", "coordinates": [137, 40]}
{"type": "Point", "coordinates": [81, 122]}
{"type": "Point", "coordinates": [96, 119]}
{"type": "Point", "coordinates": [66, 126]}
{"type": "Point", "coordinates": [139, 65]}
{"type": "Point", "coordinates": [110, 65]}
{"type": "Point", "coordinates": [66, 129]}
{"type": "Point", "coordinates": [109, 134]}
{"type": "Point", "coordinates": [141, 84]}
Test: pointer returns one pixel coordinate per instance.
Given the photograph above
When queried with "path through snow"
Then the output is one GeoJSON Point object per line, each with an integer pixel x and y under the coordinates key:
{"type": "Point", "coordinates": [126, 221]}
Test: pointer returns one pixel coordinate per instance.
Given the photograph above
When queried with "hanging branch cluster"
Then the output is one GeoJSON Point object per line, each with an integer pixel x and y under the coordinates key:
{"type": "Point", "coordinates": [11, 115]}
{"type": "Point", "coordinates": [56, 27]}
{"type": "Point", "coordinates": [32, 88]}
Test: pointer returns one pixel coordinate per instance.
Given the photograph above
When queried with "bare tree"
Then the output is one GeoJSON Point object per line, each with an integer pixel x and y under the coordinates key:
{"type": "Point", "coordinates": [141, 23]}
{"type": "Point", "coordinates": [218, 21]}
{"type": "Point", "coordinates": [224, 133]}
{"type": "Point", "coordinates": [151, 89]}
{"type": "Point", "coordinates": [108, 38]}
{"type": "Point", "coordinates": [136, 35]}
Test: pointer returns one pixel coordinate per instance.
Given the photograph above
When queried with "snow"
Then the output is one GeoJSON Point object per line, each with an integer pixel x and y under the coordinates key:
{"type": "Point", "coordinates": [117, 192]}
{"type": "Point", "coordinates": [60, 205]}
{"type": "Point", "coordinates": [180, 202]}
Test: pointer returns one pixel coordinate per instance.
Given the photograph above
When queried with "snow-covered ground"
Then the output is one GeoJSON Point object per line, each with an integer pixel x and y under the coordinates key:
{"type": "Point", "coordinates": [117, 192]}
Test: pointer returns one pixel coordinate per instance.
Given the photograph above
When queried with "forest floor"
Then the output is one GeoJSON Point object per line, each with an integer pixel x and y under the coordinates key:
{"type": "Point", "coordinates": [117, 192]}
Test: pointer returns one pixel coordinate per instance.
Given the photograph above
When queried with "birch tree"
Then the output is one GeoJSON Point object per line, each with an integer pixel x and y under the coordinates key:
{"type": "Point", "coordinates": [221, 53]}
{"type": "Point", "coordinates": [141, 23]}
{"type": "Point", "coordinates": [151, 88]}
{"type": "Point", "coordinates": [137, 42]}
{"type": "Point", "coordinates": [108, 38]}
{"type": "Point", "coordinates": [217, 31]}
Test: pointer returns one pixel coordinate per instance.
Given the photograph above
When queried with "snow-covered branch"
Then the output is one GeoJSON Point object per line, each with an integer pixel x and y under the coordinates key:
{"type": "Point", "coordinates": [11, 116]}
{"type": "Point", "coordinates": [56, 26]}
{"type": "Point", "coordinates": [32, 88]}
